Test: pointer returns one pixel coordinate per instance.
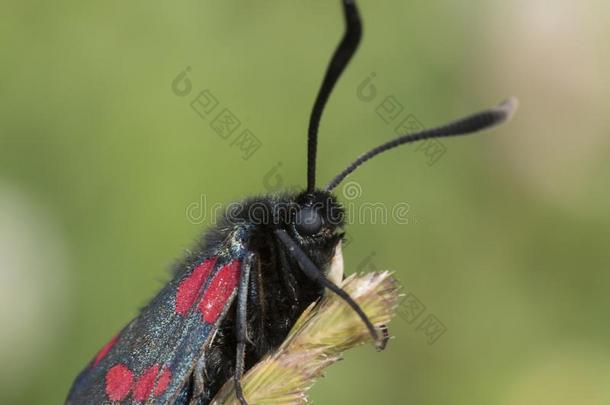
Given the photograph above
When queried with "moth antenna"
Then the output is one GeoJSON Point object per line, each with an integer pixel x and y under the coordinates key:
{"type": "Point", "coordinates": [344, 52]}
{"type": "Point", "coordinates": [464, 126]}
{"type": "Point", "coordinates": [315, 274]}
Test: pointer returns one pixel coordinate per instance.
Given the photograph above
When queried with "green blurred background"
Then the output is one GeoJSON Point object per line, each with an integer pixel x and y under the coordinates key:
{"type": "Point", "coordinates": [507, 239]}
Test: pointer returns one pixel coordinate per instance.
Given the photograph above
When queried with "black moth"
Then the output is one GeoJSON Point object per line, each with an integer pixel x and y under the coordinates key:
{"type": "Point", "coordinates": [235, 298]}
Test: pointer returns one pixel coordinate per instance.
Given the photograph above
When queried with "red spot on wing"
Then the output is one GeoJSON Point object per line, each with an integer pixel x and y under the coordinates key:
{"type": "Point", "coordinates": [219, 291]}
{"type": "Point", "coordinates": [119, 380]}
{"type": "Point", "coordinates": [189, 288]}
{"type": "Point", "coordinates": [146, 383]}
{"type": "Point", "coordinates": [163, 381]}
{"type": "Point", "coordinates": [104, 350]}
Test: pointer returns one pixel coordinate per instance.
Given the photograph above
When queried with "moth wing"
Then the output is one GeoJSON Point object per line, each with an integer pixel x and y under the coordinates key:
{"type": "Point", "coordinates": [154, 355]}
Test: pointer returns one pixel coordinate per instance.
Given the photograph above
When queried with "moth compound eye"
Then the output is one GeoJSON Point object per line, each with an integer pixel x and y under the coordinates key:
{"type": "Point", "coordinates": [308, 222]}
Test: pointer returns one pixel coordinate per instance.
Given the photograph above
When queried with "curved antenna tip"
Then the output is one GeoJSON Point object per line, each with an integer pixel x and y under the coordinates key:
{"type": "Point", "coordinates": [508, 108]}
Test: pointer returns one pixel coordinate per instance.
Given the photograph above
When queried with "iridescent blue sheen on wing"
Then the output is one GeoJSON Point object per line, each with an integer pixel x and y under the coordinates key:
{"type": "Point", "coordinates": [153, 357]}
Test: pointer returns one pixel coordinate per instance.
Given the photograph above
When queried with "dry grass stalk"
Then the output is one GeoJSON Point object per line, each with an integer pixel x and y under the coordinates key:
{"type": "Point", "coordinates": [319, 337]}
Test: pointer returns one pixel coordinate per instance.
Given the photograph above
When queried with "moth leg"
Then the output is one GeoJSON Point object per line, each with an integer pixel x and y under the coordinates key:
{"type": "Point", "coordinates": [315, 274]}
{"type": "Point", "coordinates": [241, 328]}
{"type": "Point", "coordinates": [385, 337]}
{"type": "Point", "coordinates": [198, 381]}
{"type": "Point", "coordinates": [287, 276]}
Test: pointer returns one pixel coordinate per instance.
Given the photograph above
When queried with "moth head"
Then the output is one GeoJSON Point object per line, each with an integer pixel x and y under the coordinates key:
{"type": "Point", "coordinates": [318, 214]}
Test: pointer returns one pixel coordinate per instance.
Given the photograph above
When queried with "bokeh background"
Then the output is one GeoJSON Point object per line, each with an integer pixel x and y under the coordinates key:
{"type": "Point", "coordinates": [103, 168]}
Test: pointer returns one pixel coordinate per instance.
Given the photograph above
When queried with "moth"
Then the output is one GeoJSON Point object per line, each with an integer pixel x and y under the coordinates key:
{"type": "Point", "coordinates": [236, 296]}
